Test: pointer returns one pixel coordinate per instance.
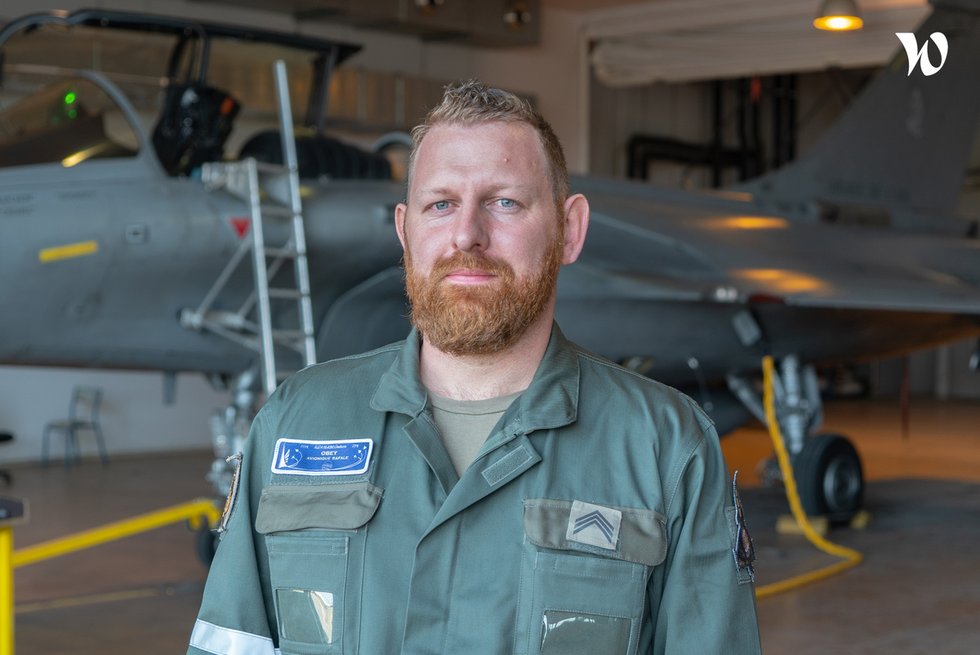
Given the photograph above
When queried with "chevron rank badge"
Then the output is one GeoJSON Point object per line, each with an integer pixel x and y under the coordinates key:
{"type": "Point", "coordinates": [594, 525]}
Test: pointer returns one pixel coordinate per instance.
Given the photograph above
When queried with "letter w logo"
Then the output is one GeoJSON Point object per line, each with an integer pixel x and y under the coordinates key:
{"type": "Point", "coordinates": [917, 55]}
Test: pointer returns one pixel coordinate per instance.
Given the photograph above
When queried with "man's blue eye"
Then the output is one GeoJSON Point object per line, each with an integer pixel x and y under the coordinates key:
{"type": "Point", "coordinates": [442, 205]}
{"type": "Point", "coordinates": [507, 203]}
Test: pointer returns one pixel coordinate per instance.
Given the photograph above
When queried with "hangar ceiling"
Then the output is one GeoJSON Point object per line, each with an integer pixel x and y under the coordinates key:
{"type": "Point", "coordinates": [685, 40]}
{"type": "Point", "coordinates": [636, 42]}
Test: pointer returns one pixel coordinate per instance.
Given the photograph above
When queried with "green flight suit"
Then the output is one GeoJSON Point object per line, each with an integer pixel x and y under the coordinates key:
{"type": "Point", "coordinates": [596, 519]}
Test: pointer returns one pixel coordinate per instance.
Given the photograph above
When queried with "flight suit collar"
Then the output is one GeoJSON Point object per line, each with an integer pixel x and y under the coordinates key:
{"type": "Point", "coordinates": [400, 389]}
{"type": "Point", "coordinates": [551, 400]}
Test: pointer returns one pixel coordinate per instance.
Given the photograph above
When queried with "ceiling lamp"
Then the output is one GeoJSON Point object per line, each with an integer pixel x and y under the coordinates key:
{"type": "Point", "coordinates": [838, 16]}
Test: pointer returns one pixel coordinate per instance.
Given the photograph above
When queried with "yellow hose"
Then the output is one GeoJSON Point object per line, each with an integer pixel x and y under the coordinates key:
{"type": "Point", "coordinates": [851, 557]}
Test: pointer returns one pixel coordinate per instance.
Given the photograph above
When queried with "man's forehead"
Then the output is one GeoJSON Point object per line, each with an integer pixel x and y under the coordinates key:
{"type": "Point", "coordinates": [506, 151]}
{"type": "Point", "coordinates": [491, 134]}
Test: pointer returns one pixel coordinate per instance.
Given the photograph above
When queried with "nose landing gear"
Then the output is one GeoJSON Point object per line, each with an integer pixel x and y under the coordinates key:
{"type": "Point", "coordinates": [827, 467]}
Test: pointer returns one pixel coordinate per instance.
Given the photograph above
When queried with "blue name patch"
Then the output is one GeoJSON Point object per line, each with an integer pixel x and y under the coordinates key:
{"type": "Point", "coordinates": [307, 457]}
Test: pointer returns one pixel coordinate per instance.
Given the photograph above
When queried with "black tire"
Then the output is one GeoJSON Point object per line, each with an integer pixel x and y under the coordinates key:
{"type": "Point", "coordinates": [829, 477]}
{"type": "Point", "coordinates": [207, 544]}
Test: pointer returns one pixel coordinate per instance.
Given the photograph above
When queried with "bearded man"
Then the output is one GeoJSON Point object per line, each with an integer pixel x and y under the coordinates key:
{"type": "Point", "coordinates": [484, 486]}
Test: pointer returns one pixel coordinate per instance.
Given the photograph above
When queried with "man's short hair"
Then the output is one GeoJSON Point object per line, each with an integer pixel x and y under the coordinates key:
{"type": "Point", "coordinates": [473, 102]}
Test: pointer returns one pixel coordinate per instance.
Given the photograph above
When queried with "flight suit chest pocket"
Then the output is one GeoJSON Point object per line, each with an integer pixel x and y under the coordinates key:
{"type": "Point", "coordinates": [315, 537]}
{"type": "Point", "coordinates": [584, 573]}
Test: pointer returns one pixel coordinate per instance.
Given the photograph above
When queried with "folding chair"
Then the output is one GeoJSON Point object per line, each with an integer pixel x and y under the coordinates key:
{"type": "Point", "coordinates": [83, 414]}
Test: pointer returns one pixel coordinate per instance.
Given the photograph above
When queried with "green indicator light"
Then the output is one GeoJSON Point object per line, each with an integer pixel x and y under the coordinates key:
{"type": "Point", "coordinates": [70, 97]}
{"type": "Point", "coordinates": [72, 113]}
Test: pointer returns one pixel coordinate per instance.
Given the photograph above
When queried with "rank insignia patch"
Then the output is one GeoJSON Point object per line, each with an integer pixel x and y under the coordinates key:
{"type": "Point", "coordinates": [594, 525]}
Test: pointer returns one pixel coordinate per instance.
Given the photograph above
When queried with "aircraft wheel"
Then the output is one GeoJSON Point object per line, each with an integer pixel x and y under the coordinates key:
{"type": "Point", "coordinates": [207, 544]}
{"type": "Point", "coordinates": [829, 477]}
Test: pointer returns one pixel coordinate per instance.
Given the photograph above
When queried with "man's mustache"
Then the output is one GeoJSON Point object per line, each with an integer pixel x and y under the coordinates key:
{"type": "Point", "coordinates": [470, 261]}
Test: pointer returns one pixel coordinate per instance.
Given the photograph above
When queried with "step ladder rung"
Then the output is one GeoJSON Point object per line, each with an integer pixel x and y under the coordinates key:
{"type": "Point", "coordinates": [289, 294]}
{"type": "Point", "coordinates": [289, 335]}
{"type": "Point", "coordinates": [276, 211]}
{"type": "Point", "coordinates": [281, 252]}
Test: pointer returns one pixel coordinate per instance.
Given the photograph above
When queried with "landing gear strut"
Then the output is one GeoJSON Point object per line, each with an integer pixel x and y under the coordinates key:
{"type": "Point", "coordinates": [229, 428]}
{"type": "Point", "coordinates": [827, 468]}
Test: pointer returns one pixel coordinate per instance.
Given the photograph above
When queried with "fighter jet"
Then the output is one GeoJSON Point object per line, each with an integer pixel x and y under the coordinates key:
{"type": "Point", "coordinates": [121, 247]}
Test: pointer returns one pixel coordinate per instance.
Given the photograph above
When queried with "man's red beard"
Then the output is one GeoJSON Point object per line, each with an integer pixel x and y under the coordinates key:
{"type": "Point", "coordinates": [478, 319]}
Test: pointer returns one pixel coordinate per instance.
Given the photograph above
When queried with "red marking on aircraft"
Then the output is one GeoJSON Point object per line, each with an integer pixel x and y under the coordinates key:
{"type": "Point", "coordinates": [240, 224]}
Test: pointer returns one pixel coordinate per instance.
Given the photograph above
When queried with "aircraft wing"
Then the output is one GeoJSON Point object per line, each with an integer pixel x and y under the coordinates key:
{"type": "Point", "coordinates": [682, 245]}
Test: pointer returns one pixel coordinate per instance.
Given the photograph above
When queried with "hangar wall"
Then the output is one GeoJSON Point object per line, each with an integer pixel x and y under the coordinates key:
{"type": "Point", "coordinates": [133, 415]}
{"type": "Point", "coordinates": [683, 111]}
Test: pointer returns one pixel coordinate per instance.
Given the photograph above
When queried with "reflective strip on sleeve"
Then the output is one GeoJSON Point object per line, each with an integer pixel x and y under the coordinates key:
{"type": "Point", "coordinates": [224, 641]}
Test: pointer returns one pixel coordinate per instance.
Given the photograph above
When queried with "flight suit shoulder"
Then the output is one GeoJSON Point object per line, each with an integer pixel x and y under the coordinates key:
{"type": "Point", "coordinates": [364, 369]}
{"type": "Point", "coordinates": [662, 400]}
{"type": "Point", "coordinates": [675, 427]}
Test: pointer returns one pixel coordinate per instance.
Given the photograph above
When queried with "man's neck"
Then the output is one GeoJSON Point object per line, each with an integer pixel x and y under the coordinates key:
{"type": "Point", "coordinates": [478, 377]}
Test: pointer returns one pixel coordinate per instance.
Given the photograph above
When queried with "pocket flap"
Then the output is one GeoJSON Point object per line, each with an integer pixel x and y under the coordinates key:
{"type": "Point", "coordinates": [641, 538]}
{"type": "Point", "coordinates": [283, 508]}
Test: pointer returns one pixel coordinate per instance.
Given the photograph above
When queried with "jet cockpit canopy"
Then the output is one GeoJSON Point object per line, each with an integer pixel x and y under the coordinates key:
{"type": "Point", "coordinates": [196, 115]}
{"type": "Point", "coordinates": [71, 120]}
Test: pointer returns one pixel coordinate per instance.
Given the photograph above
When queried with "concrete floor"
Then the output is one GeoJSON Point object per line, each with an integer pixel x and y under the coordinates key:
{"type": "Point", "coordinates": [918, 590]}
{"type": "Point", "coordinates": [137, 595]}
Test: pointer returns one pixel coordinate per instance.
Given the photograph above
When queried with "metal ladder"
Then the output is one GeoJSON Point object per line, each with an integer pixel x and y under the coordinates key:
{"type": "Point", "coordinates": [273, 195]}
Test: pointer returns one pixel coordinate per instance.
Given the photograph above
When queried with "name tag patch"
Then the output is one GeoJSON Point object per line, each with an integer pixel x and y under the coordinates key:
{"type": "Point", "coordinates": [307, 457]}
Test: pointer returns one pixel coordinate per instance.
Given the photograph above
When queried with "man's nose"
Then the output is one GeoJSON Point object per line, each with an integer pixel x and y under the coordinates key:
{"type": "Point", "coordinates": [470, 229]}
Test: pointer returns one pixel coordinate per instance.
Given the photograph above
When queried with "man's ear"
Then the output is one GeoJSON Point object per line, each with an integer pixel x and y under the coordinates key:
{"type": "Point", "coordinates": [576, 225]}
{"type": "Point", "coordinates": [400, 209]}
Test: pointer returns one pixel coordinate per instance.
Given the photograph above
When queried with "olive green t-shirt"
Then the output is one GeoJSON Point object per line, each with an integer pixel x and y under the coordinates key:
{"type": "Point", "coordinates": [466, 424]}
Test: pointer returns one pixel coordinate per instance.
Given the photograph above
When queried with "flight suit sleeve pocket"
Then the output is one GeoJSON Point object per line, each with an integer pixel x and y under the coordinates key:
{"type": "Point", "coordinates": [584, 572]}
{"type": "Point", "coordinates": [334, 507]}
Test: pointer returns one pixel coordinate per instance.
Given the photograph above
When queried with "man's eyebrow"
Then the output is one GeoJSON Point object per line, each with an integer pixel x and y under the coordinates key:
{"type": "Point", "coordinates": [516, 186]}
{"type": "Point", "coordinates": [435, 191]}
